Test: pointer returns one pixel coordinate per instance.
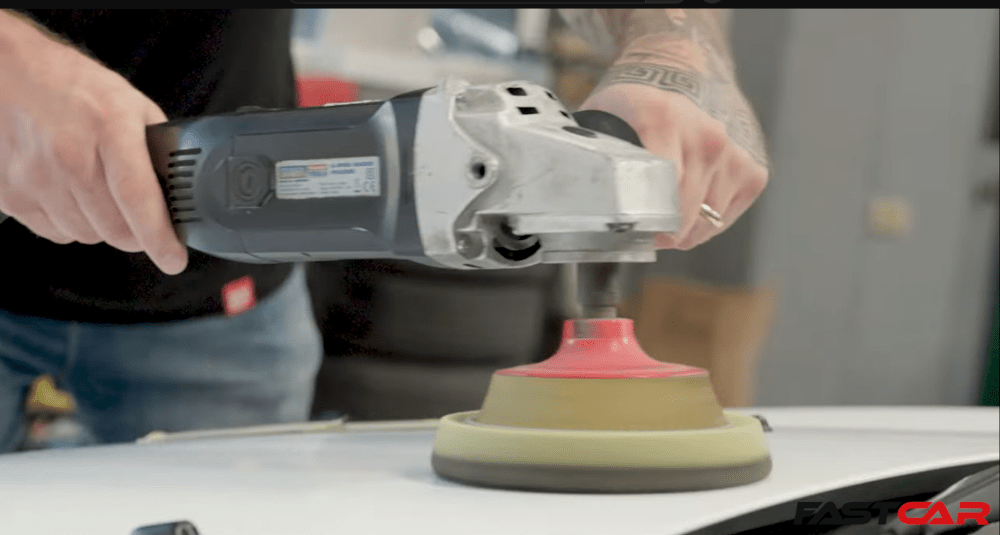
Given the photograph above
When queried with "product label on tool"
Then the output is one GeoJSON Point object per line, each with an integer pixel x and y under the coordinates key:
{"type": "Point", "coordinates": [335, 177]}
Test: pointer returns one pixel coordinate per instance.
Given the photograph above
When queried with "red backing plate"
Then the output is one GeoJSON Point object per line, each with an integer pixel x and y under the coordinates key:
{"type": "Point", "coordinates": [601, 349]}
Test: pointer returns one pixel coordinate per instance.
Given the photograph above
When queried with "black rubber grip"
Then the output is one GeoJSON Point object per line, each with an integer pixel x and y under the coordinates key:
{"type": "Point", "coordinates": [607, 123]}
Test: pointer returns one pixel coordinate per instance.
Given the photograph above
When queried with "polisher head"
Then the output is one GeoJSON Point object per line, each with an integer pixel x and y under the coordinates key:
{"type": "Point", "coordinates": [601, 416]}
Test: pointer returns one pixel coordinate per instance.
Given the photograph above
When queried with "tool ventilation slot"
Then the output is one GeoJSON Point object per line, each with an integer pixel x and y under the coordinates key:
{"type": "Point", "coordinates": [181, 204]}
{"type": "Point", "coordinates": [525, 99]}
{"type": "Point", "coordinates": [179, 184]}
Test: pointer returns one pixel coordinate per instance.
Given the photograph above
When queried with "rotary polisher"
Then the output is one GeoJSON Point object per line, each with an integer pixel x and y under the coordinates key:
{"type": "Point", "coordinates": [468, 177]}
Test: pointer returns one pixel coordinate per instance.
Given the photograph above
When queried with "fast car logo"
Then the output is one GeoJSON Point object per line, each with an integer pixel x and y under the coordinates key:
{"type": "Point", "coordinates": [912, 513]}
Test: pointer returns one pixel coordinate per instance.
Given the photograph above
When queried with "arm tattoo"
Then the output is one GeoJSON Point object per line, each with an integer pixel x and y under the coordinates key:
{"type": "Point", "coordinates": [684, 51]}
{"type": "Point", "coordinates": [687, 83]}
{"type": "Point", "coordinates": [719, 98]}
{"type": "Point", "coordinates": [706, 28]}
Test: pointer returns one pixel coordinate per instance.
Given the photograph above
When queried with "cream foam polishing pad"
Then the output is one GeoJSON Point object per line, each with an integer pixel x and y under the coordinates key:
{"type": "Point", "coordinates": [601, 416]}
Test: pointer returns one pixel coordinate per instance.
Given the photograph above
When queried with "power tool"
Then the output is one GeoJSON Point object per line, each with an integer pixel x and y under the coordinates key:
{"type": "Point", "coordinates": [460, 176]}
{"type": "Point", "coordinates": [467, 176]}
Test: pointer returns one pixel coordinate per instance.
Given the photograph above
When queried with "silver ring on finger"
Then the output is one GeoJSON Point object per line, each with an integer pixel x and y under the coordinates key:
{"type": "Point", "coordinates": [712, 216]}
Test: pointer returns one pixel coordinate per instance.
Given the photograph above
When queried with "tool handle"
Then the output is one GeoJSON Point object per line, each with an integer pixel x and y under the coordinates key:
{"type": "Point", "coordinates": [607, 123]}
{"type": "Point", "coordinates": [296, 185]}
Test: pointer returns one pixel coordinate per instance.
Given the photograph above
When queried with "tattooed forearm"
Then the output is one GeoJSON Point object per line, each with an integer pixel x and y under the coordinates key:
{"type": "Point", "coordinates": [685, 51]}
{"type": "Point", "coordinates": [687, 83]}
{"type": "Point", "coordinates": [745, 131]}
{"type": "Point", "coordinates": [717, 97]}
{"type": "Point", "coordinates": [672, 31]}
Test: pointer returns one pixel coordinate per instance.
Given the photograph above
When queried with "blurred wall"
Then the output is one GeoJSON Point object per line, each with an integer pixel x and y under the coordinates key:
{"type": "Point", "coordinates": [872, 103]}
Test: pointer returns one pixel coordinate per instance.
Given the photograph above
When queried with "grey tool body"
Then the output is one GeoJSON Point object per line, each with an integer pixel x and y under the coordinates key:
{"type": "Point", "coordinates": [460, 176]}
{"type": "Point", "coordinates": [221, 178]}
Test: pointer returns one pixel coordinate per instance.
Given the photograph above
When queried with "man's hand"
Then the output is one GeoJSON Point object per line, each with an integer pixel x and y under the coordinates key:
{"type": "Point", "coordinates": [74, 165]}
{"type": "Point", "coordinates": [674, 84]}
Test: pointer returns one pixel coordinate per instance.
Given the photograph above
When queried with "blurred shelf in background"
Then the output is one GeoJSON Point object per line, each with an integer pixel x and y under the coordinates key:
{"type": "Point", "coordinates": [387, 52]}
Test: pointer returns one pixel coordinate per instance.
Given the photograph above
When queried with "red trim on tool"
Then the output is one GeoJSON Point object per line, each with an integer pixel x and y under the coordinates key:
{"type": "Point", "coordinates": [607, 349]}
{"type": "Point", "coordinates": [319, 90]}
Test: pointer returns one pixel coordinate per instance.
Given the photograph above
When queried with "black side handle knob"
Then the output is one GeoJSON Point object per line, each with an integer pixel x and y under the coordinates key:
{"type": "Point", "coordinates": [607, 123]}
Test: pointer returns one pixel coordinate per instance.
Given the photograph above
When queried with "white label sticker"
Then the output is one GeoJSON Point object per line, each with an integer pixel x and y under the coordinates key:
{"type": "Point", "coordinates": [333, 177]}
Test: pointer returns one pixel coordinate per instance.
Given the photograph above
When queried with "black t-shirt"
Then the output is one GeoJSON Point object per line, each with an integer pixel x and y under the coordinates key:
{"type": "Point", "coordinates": [190, 63]}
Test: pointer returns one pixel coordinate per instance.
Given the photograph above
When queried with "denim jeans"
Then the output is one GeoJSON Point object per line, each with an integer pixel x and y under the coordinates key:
{"type": "Point", "coordinates": [255, 368]}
